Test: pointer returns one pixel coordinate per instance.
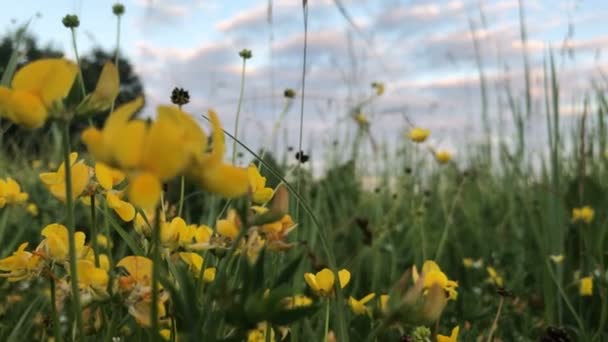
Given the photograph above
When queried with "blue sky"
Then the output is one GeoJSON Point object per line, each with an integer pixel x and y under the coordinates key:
{"type": "Point", "coordinates": [422, 50]}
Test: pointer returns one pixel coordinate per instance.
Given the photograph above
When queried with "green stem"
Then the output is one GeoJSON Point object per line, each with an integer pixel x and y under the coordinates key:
{"type": "Point", "coordinates": [577, 318]}
{"type": "Point", "coordinates": [116, 54]}
{"type": "Point", "coordinates": [326, 319]}
{"type": "Point", "coordinates": [448, 223]}
{"type": "Point", "coordinates": [80, 78]}
{"type": "Point", "coordinates": [182, 190]}
{"type": "Point", "coordinates": [238, 111]}
{"type": "Point", "coordinates": [495, 323]}
{"type": "Point", "coordinates": [94, 231]}
{"type": "Point", "coordinates": [54, 315]}
{"type": "Point", "coordinates": [71, 229]}
{"type": "Point", "coordinates": [155, 273]}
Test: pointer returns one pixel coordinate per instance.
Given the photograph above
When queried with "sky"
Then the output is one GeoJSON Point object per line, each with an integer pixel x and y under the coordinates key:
{"type": "Point", "coordinates": [423, 51]}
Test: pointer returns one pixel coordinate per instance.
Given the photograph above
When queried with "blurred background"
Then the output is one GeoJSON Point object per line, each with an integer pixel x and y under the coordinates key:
{"type": "Point", "coordinates": [471, 71]}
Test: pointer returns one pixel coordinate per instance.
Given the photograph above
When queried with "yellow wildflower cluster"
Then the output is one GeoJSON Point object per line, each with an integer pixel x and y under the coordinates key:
{"type": "Point", "coordinates": [583, 214]}
{"type": "Point", "coordinates": [10, 193]}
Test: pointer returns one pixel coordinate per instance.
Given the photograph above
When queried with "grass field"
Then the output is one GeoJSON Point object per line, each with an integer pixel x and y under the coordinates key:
{"type": "Point", "coordinates": [411, 244]}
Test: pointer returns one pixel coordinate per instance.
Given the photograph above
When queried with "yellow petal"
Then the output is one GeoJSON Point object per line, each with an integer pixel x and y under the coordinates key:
{"type": "Point", "coordinates": [51, 79]}
{"type": "Point", "coordinates": [93, 139]}
{"type": "Point", "coordinates": [164, 153]}
{"type": "Point", "coordinates": [144, 191]}
{"type": "Point", "coordinates": [225, 180]}
{"type": "Point", "coordinates": [104, 175]}
{"type": "Point", "coordinates": [125, 210]}
{"type": "Point", "coordinates": [325, 279]}
{"type": "Point", "coordinates": [344, 277]}
{"type": "Point", "coordinates": [140, 268]}
{"type": "Point", "coordinates": [27, 109]}
{"type": "Point", "coordinates": [128, 143]}
{"type": "Point", "coordinates": [311, 281]}
{"type": "Point", "coordinates": [107, 87]}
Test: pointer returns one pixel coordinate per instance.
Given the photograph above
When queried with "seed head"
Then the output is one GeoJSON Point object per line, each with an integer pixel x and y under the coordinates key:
{"type": "Point", "coordinates": [180, 96]}
{"type": "Point", "coordinates": [245, 54]}
{"type": "Point", "coordinates": [71, 21]}
{"type": "Point", "coordinates": [118, 9]}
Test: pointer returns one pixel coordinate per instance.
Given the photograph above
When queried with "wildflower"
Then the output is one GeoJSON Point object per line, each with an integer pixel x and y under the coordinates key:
{"type": "Point", "coordinates": [361, 119]}
{"type": "Point", "coordinates": [230, 226]}
{"type": "Point", "coordinates": [195, 263]}
{"type": "Point", "coordinates": [55, 246]}
{"type": "Point", "coordinates": [557, 258]}
{"type": "Point", "coordinates": [37, 89]}
{"type": "Point", "coordinates": [259, 333]}
{"type": "Point", "coordinates": [106, 91]}
{"type": "Point", "coordinates": [93, 281]}
{"type": "Point", "coordinates": [165, 334]}
{"type": "Point", "coordinates": [494, 277]}
{"type": "Point", "coordinates": [358, 306]}
{"type": "Point", "coordinates": [276, 232]}
{"type": "Point", "coordinates": [152, 154]}
{"type": "Point", "coordinates": [297, 301]}
{"type": "Point", "coordinates": [213, 174]}
{"type": "Point", "coordinates": [443, 156]}
{"type": "Point", "coordinates": [421, 334]}
{"type": "Point", "coordinates": [584, 214]}
{"type": "Point", "coordinates": [432, 275]}
{"type": "Point", "coordinates": [322, 283]}
{"type": "Point", "coordinates": [259, 192]}
{"type": "Point", "coordinates": [103, 241]}
{"type": "Point", "coordinates": [10, 192]}
{"type": "Point", "coordinates": [55, 181]}
{"type": "Point", "coordinates": [383, 303]}
{"type": "Point", "coordinates": [471, 263]}
{"type": "Point", "coordinates": [32, 209]}
{"type": "Point", "coordinates": [21, 265]}
{"type": "Point", "coordinates": [125, 210]}
{"type": "Point", "coordinates": [419, 135]}
{"type": "Point", "coordinates": [586, 286]}
{"type": "Point", "coordinates": [137, 286]}
{"type": "Point", "coordinates": [452, 338]}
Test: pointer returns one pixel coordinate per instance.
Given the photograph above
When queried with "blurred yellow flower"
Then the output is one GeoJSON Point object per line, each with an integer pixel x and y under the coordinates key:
{"type": "Point", "coordinates": [259, 334]}
{"type": "Point", "coordinates": [56, 246]}
{"type": "Point", "coordinates": [213, 174]}
{"type": "Point", "coordinates": [358, 306]}
{"type": "Point", "coordinates": [230, 226]}
{"type": "Point", "coordinates": [443, 156]}
{"type": "Point", "coordinates": [558, 258]}
{"type": "Point", "coordinates": [452, 338]}
{"type": "Point", "coordinates": [10, 192]}
{"type": "Point", "coordinates": [379, 86]}
{"type": "Point", "coordinates": [276, 232]}
{"type": "Point", "coordinates": [149, 153]}
{"type": "Point", "coordinates": [21, 265]}
{"type": "Point", "coordinates": [125, 210]}
{"type": "Point", "coordinates": [106, 90]}
{"type": "Point", "coordinates": [322, 283]}
{"type": "Point", "coordinates": [433, 276]}
{"type": "Point", "coordinates": [494, 277]}
{"type": "Point", "coordinates": [586, 286]}
{"type": "Point", "coordinates": [583, 214]}
{"type": "Point", "coordinates": [55, 181]}
{"type": "Point", "coordinates": [259, 192]}
{"type": "Point", "coordinates": [93, 281]}
{"type": "Point", "coordinates": [32, 209]}
{"type": "Point", "coordinates": [195, 262]}
{"type": "Point", "coordinates": [108, 177]}
{"type": "Point", "coordinates": [297, 301]}
{"type": "Point", "coordinates": [37, 89]}
{"type": "Point", "coordinates": [383, 303]}
{"type": "Point", "coordinates": [418, 135]}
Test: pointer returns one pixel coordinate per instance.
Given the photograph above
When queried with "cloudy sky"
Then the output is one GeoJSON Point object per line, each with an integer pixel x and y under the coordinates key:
{"type": "Point", "coordinates": [423, 51]}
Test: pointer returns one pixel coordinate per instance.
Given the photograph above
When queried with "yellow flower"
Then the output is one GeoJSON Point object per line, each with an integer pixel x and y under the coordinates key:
{"type": "Point", "coordinates": [443, 157]}
{"type": "Point", "coordinates": [297, 301]}
{"type": "Point", "coordinates": [433, 276]}
{"type": "Point", "coordinates": [108, 177]}
{"type": "Point", "coordinates": [230, 226]}
{"type": "Point", "coordinates": [105, 92]}
{"type": "Point", "coordinates": [558, 258]}
{"type": "Point", "coordinates": [55, 181]}
{"type": "Point", "coordinates": [56, 246]}
{"type": "Point", "coordinates": [358, 306]}
{"type": "Point", "coordinates": [10, 192]}
{"type": "Point", "coordinates": [21, 265]}
{"type": "Point", "coordinates": [383, 303]}
{"type": "Point", "coordinates": [124, 209]}
{"type": "Point", "coordinates": [216, 176]}
{"type": "Point", "coordinates": [361, 119]}
{"type": "Point", "coordinates": [103, 241]}
{"type": "Point", "coordinates": [276, 232]}
{"type": "Point", "coordinates": [139, 271]}
{"type": "Point", "coordinates": [494, 277]}
{"type": "Point", "coordinates": [36, 89]}
{"type": "Point", "coordinates": [419, 135]}
{"type": "Point", "coordinates": [93, 281]}
{"type": "Point", "coordinates": [32, 209]}
{"type": "Point", "coordinates": [322, 283]}
{"type": "Point", "coordinates": [259, 192]}
{"type": "Point", "coordinates": [586, 286]}
{"type": "Point", "coordinates": [195, 262]}
{"type": "Point", "coordinates": [584, 214]}
{"type": "Point", "coordinates": [149, 153]}
{"type": "Point", "coordinates": [259, 334]}
{"type": "Point", "coordinates": [452, 338]}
